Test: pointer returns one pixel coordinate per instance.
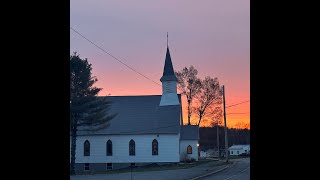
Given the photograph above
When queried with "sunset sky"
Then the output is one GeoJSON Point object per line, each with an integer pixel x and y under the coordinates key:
{"type": "Point", "coordinates": [211, 35]}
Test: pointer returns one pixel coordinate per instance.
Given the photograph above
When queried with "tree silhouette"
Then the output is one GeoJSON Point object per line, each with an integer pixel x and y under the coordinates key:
{"type": "Point", "coordinates": [86, 109]}
{"type": "Point", "coordinates": [189, 85]}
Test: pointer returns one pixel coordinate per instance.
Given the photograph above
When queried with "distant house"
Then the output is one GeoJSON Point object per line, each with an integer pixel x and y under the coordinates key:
{"type": "Point", "coordinates": [212, 153]}
{"type": "Point", "coordinates": [239, 149]}
{"type": "Point", "coordinates": [203, 154]}
{"type": "Point", "coordinates": [147, 129]}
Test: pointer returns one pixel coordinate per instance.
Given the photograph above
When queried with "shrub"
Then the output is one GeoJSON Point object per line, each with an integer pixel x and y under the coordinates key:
{"type": "Point", "coordinates": [185, 158]}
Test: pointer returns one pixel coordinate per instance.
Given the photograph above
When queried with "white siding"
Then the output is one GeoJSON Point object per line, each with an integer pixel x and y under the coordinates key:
{"type": "Point", "coordinates": [169, 87]}
{"type": "Point", "coordinates": [247, 148]}
{"type": "Point", "coordinates": [235, 152]}
{"type": "Point", "coordinates": [239, 149]}
{"type": "Point", "coordinates": [168, 149]}
{"type": "Point", "coordinates": [169, 93]}
{"type": "Point", "coordinates": [193, 143]}
{"type": "Point", "coordinates": [169, 99]}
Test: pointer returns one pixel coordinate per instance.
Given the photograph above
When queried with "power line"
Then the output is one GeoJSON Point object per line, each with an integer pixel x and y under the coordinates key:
{"type": "Point", "coordinates": [238, 103]}
{"type": "Point", "coordinates": [113, 56]}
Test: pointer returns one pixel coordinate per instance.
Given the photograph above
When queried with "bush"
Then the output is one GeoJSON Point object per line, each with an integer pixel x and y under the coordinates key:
{"type": "Point", "coordinates": [185, 158]}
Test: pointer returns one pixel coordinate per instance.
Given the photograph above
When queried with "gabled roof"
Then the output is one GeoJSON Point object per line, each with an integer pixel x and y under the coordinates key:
{"type": "Point", "coordinates": [189, 132]}
{"type": "Point", "coordinates": [168, 72]}
{"type": "Point", "coordinates": [140, 115]}
{"type": "Point", "coordinates": [239, 147]}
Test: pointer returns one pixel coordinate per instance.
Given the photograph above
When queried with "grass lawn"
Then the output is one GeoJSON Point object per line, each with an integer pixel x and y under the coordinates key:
{"type": "Point", "coordinates": [165, 167]}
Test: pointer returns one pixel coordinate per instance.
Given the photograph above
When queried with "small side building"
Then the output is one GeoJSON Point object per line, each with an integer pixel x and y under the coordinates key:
{"type": "Point", "coordinates": [189, 142]}
{"type": "Point", "coordinates": [239, 149]}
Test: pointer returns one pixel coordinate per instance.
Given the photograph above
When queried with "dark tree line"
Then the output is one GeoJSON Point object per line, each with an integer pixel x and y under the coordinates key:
{"type": "Point", "coordinates": [208, 137]}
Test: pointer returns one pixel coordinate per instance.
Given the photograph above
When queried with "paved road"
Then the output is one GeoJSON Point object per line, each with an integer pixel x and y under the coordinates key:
{"type": "Point", "coordinates": [240, 170]}
{"type": "Point", "coordinates": [178, 174]}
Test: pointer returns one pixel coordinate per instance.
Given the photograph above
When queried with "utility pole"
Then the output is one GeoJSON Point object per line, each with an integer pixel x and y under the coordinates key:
{"type": "Point", "coordinates": [225, 125]}
{"type": "Point", "coordinates": [218, 139]}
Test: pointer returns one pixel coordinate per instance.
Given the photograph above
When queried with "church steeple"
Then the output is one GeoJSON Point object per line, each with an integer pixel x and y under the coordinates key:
{"type": "Point", "coordinates": [168, 72]}
{"type": "Point", "coordinates": [169, 82]}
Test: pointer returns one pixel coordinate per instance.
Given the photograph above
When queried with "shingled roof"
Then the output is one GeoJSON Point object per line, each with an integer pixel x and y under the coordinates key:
{"type": "Point", "coordinates": [141, 115]}
{"type": "Point", "coordinates": [239, 147]}
{"type": "Point", "coordinates": [168, 73]}
{"type": "Point", "coordinates": [189, 132]}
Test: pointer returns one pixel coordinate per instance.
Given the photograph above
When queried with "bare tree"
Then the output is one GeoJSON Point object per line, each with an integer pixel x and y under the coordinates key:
{"type": "Point", "coordinates": [246, 126]}
{"type": "Point", "coordinates": [242, 125]}
{"type": "Point", "coordinates": [209, 96]}
{"type": "Point", "coordinates": [216, 115]}
{"type": "Point", "coordinates": [189, 85]}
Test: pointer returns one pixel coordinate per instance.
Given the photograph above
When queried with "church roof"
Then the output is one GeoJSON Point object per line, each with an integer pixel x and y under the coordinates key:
{"type": "Point", "coordinates": [189, 132]}
{"type": "Point", "coordinates": [168, 73]}
{"type": "Point", "coordinates": [140, 115]}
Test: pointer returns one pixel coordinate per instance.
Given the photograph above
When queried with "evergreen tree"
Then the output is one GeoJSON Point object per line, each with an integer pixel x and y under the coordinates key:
{"type": "Point", "coordinates": [86, 109]}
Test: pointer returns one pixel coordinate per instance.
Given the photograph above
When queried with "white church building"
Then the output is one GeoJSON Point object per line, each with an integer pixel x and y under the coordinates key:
{"type": "Point", "coordinates": [147, 129]}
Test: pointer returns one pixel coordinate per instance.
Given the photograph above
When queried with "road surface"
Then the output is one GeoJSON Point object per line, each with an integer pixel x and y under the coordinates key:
{"type": "Point", "coordinates": [240, 170]}
{"type": "Point", "coordinates": [177, 174]}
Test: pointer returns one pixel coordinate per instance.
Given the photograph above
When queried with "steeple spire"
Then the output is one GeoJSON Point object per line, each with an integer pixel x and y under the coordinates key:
{"type": "Point", "coordinates": [167, 41]}
{"type": "Point", "coordinates": [168, 72]}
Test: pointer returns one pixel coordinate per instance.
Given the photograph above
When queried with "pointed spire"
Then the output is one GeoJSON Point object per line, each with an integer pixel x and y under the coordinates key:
{"type": "Point", "coordinates": [167, 41]}
{"type": "Point", "coordinates": [168, 72]}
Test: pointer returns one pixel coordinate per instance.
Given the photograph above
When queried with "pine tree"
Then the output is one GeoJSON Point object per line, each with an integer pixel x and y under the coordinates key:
{"type": "Point", "coordinates": [86, 109]}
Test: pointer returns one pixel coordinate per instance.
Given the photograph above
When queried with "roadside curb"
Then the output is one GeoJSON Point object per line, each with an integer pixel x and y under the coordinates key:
{"type": "Point", "coordinates": [202, 176]}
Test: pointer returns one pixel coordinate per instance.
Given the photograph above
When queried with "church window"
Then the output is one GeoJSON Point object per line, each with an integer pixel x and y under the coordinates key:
{"type": "Point", "coordinates": [86, 148]}
{"type": "Point", "coordinates": [109, 166]}
{"type": "Point", "coordinates": [86, 166]}
{"type": "Point", "coordinates": [154, 147]}
{"type": "Point", "coordinates": [109, 148]}
{"type": "Point", "coordinates": [132, 148]}
{"type": "Point", "coordinates": [189, 149]}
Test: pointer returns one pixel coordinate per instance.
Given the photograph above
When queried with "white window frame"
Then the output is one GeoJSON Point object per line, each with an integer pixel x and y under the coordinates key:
{"type": "Point", "coordinates": [109, 166]}
{"type": "Point", "coordinates": [84, 167]}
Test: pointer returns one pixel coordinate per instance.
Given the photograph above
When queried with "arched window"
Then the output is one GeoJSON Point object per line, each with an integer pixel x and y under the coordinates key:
{"type": "Point", "coordinates": [109, 148]}
{"type": "Point", "coordinates": [154, 147]}
{"type": "Point", "coordinates": [86, 148]}
{"type": "Point", "coordinates": [189, 149]}
{"type": "Point", "coordinates": [132, 148]}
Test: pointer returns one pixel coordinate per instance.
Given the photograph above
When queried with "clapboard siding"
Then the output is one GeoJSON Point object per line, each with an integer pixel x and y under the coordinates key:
{"type": "Point", "coordinates": [193, 143]}
{"type": "Point", "coordinates": [168, 145]}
